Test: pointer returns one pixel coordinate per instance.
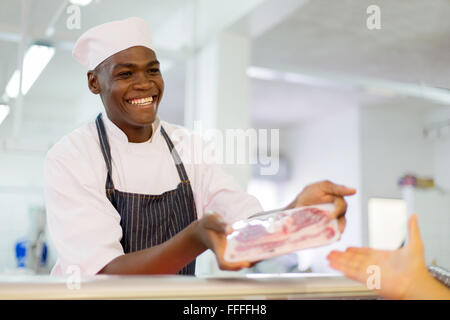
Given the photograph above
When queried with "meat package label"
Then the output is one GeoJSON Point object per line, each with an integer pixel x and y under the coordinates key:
{"type": "Point", "coordinates": [280, 232]}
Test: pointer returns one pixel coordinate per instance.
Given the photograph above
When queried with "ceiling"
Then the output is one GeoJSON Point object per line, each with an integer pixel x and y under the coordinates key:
{"type": "Point", "coordinates": [322, 37]}
{"type": "Point", "coordinates": [412, 45]}
{"type": "Point", "coordinates": [327, 37]}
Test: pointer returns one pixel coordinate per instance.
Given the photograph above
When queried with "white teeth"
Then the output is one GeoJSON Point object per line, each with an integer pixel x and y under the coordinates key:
{"type": "Point", "coordinates": [142, 101]}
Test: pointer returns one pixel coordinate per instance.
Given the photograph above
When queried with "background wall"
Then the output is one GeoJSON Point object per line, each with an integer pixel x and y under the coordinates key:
{"type": "Point", "coordinates": [327, 149]}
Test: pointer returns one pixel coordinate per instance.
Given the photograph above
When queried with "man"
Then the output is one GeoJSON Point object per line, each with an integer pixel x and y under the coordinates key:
{"type": "Point", "coordinates": [120, 198]}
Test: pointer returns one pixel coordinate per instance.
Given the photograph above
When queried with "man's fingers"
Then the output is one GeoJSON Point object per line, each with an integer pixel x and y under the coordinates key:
{"type": "Point", "coordinates": [341, 224]}
{"type": "Point", "coordinates": [252, 264]}
{"type": "Point", "coordinates": [340, 207]}
{"type": "Point", "coordinates": [326, 199]}
{"type": "Point", "coordinates": [220, 227]}
{"type": "Point", "coordinates": [233, 266]}
{"type": "Point", "coordinates": [337, 190]}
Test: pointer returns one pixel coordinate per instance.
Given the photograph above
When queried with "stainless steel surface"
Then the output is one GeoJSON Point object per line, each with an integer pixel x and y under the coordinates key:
{"type": "Point", "coordinates": [254, 286]}
{"type": "Point", "coordinates": [441, 274]}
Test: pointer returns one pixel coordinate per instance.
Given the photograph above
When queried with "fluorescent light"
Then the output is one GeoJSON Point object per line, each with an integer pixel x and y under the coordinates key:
{"type": "Point", "coordinates": [12, 88]}
{"type": "Point", "coordinates": [290, 77]}
{"type": "Point", "coordinates": [263, 73]}
{"type": "Point", "coordinates": [306, 79]}
{"type": "Point", "coordinates": [35, 60]}
{"type": "Point", "coordinates": [80, 2]}
{"type": "Point", "coordinates": [4, 111]}
{"type": "Point", "coordinates": [380, 91]}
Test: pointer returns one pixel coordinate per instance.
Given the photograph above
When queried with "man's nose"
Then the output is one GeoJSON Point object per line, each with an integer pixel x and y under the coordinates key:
{"type": "Point", "coordinates": [143, 82]}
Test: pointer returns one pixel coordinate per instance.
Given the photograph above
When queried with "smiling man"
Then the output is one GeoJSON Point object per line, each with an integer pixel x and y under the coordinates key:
{"type": "Point", "coordinates": [120, 198]}
{"type": "Point", "coordinates": [131, 106]}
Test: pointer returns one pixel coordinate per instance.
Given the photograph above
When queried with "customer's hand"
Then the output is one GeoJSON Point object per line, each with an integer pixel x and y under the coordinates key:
{"type": "Point", "coordinates": [325, 192]}
{"type": "Point", "coordinates": [402, 273]}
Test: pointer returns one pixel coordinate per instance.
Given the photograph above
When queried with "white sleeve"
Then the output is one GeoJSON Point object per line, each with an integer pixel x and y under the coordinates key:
{"type": "Point", "coordinates": [225, 196]}
{"type": "Point", "coordinates": [83, 224]}
{"type": "Point", "coordinates": [220, 192]}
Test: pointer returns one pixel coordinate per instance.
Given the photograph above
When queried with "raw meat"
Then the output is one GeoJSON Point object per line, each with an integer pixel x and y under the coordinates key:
{"type": "Point", "coordinates": [277, 233]}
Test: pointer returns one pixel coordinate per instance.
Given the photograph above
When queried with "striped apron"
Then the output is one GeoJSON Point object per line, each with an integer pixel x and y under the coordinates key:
{"type": "Point", "coordinates": [149, 220]}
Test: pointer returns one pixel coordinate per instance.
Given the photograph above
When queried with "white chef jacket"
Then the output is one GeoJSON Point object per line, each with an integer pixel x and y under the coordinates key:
{"type": "Point", "coordinates": [82, 222]}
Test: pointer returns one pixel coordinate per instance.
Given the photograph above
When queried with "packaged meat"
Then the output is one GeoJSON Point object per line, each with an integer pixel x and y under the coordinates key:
{"type": "Point", "coordinates": [274, 233]}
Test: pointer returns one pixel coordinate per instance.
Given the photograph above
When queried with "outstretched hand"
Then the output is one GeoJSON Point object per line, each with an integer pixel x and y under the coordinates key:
{"type": "Point", "coordinates": [401, 272]}
{"type": "Point", "coordinates": [325, 192]}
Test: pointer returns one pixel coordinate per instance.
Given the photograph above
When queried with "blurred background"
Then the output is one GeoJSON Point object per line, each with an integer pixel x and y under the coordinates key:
{"type": "Point", "coordinates": [359, 91]}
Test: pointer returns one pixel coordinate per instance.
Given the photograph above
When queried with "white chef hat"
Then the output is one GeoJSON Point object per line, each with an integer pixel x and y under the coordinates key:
{"type": "Point", "coordinates": [101, 42]}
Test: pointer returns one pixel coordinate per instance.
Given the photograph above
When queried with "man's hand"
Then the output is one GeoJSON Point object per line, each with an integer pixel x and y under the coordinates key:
{"type": "Point", "coordinates": [212, 232]}
{"type": "Point", "coordinates": [325, 192]}
{"type": "Point", "coordinates": [403, 273]}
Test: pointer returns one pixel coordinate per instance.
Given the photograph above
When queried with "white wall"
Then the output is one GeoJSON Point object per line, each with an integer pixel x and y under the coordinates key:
{"type": "Point", "coordinates": [20, 188]}
{"type": "Point", "coordinates": [433, 206]}
{"type": "Point", "coordinates": [327, 149]}
{"type": "Point", "coordinates": [392, 144]}
{"type": "Point", "coordinates": [22, 180]}
{"type": "Point", "coordinates": [441, 147]}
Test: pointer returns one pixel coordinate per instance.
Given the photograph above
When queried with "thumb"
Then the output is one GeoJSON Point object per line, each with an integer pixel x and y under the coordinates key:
{"type": "Point", "coordinates": [415, 240]}
{"type": "Point", "coordinates": [215, 222]}
{"type": "Point", "coordinates": [338, 190]}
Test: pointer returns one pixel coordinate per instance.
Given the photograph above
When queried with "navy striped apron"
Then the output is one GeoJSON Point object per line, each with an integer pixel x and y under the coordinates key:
{"type": "Point", "coordinates": [149, 220]}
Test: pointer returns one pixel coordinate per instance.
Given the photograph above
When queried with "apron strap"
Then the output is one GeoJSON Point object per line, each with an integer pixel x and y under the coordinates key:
{"type": "Point", "coordinates": [106, 150]}
{"type": "Point", "coordinates": [176, 158]}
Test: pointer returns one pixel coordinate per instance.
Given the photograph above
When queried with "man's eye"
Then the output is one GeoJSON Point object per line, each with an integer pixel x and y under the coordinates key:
{"type": "Point", "coordinates": [125, 74]}
{"type": "Point", "coordinates": [153, 70]}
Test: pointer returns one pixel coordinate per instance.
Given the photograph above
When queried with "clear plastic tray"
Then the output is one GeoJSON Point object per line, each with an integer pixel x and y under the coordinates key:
{"type": "Point", "coordinates": [274, 233]}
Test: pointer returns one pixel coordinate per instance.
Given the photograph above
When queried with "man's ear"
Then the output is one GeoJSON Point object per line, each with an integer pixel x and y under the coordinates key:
{"type": "Point", "coordinates": [93, 82]}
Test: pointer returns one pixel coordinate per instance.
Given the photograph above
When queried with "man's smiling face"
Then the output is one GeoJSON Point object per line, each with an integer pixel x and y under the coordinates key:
{"type": "Point", "coordinates": [131, 87]}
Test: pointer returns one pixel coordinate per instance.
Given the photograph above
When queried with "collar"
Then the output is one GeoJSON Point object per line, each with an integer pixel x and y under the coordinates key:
{"type": "Point", "coordinates": [114, 130]}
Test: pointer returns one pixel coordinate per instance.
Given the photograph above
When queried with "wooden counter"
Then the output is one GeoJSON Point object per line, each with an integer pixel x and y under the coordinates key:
{"type": "Point", "coordinates": [251, 286]}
